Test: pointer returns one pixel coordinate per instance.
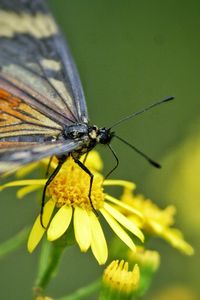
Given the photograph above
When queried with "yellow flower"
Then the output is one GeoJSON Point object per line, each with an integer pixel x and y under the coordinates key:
{"type": "Point", "coordinates": [119, 279]}
{"type": "Point", "coordinates": [156, 221]}
{"type": "Point", "coordinates": [68, 203]}
{"type": "Point", "coordinates": [182, 162]}
{"type": "Point", "coordinates": [145, 258]}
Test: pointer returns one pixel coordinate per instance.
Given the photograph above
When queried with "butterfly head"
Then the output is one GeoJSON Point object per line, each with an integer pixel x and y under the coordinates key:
{"type": "Point", "coordinates": [102, 135]}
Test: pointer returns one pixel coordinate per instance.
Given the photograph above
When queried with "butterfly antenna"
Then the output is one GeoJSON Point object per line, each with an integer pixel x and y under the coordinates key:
{"type": "Point", "coordinates": [151, 161]}
{"type": "Point", "coordinates": [142, 111]}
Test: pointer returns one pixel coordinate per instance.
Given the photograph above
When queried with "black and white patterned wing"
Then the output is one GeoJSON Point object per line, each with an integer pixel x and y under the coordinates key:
{"type": "Point", "coordinates": [14, 155]}
{"type": "Point", "coordinates": [35, 62]}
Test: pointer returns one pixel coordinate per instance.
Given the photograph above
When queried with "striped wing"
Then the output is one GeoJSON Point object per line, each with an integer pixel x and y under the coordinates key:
{"type": "Point", "coordinates": [40, 90]}
{"type": "Point", "coordinates": [20, 122]}
{"type": "Point", "coordinates": [13, 155]}
{"type": "Point", "coordinates": [35, 62]}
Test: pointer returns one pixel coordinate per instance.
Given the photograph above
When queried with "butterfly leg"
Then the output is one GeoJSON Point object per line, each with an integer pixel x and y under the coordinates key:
{"type": "Point", "coordinates": [85, 158]}
{"type": "Point", "coordinates": [50, 179]}
{"type": "Point", "coordinates": [116, 164]}
{"type": "Point", "coordinates": [48, 167]}
{"type": "Point", "coordinates": [84, 168]}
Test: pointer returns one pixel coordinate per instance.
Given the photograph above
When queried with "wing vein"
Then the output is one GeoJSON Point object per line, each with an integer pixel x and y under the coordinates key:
{"type": "Point", "coordinates": [36, 100]}
{"type": "Point", "coordinates": [56, 91]}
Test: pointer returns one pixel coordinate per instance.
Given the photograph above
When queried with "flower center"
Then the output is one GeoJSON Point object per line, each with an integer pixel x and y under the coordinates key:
{"type": "Point", "coordinates": [71, 187]}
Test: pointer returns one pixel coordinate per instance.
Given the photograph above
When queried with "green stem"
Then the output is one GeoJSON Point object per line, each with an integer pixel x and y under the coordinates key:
{"type": "Point", "coordinates": [84, 292]}
{"type": "Point", "coordinates": [50, 257]}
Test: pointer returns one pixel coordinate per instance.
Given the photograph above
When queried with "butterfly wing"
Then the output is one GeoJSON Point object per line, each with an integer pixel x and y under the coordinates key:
{"type": "Point", "coordinates": [21, 122]}
{"type": "Point", "coordinates": [36, 64]}
{"type": "Point", "coordinates": [13, 155]}
{"type": "Point", "coordinates": [40, 90]}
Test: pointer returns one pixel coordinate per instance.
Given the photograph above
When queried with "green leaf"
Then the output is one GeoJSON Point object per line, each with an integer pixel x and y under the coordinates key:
{"type": "Point", "coordinates": [14, 243]}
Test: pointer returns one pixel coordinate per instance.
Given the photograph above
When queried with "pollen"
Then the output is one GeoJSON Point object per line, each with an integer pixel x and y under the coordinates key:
{"type": "Point", "coordinates": [71, 187]}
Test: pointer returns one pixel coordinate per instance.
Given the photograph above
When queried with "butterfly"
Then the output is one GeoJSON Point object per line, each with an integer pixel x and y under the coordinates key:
{"type": "Point", "coordinates": [43, 110]}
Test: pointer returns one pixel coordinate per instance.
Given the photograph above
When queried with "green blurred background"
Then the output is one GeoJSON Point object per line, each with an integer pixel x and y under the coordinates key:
{"type": "Point", "coordinates": [129, 54]}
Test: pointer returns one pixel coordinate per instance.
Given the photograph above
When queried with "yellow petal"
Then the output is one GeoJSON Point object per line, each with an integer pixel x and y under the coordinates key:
{"type": "Point", "coordinates": [40, 182]}
{"type": "Point", "coordinates": [82, 228]}
{"type": "Point", "coordinates": [136, 275]}
{"type": "Point", "coordinates": [26, 190]}
{"type": "Point", "coordinates": [123, 183]}
{"type": "Point", "coordinates": [124, 205]}
{"type": "Point", "coordinates": [124, 221]}
{"type": "Point", "coordinates": [59, 223]}
{"type": "Point", "coordinates": [23, 171]}
{"type": "Point", "coordinates": [37, 230]}
{"type": "Point", "coordinates": [94, 161]}
{"type": "Point", "coordinates": [156, 227]}
{"type": "Point", "coordinates": [175, 238]}
{"type": "Point", "coordinates": [98, 245]}
{"type": "Point", "coordinates": [118, 230]}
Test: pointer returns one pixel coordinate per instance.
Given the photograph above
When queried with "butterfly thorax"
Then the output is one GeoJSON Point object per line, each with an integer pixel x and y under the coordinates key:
{"type": "Point", "coordinates": [89, 135]}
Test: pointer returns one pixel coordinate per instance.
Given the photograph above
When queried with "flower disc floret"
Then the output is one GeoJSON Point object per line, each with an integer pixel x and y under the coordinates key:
{"type": "Point", "coordinates": [71, 187]}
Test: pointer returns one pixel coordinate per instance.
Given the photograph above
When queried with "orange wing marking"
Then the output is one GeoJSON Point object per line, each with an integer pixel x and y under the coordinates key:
{"type": "Point", "coordinates": [18, 118]}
